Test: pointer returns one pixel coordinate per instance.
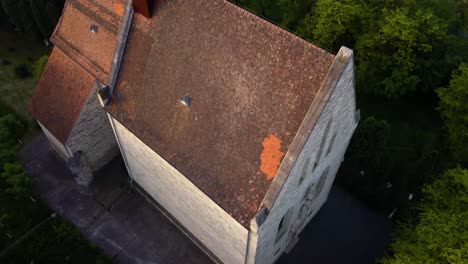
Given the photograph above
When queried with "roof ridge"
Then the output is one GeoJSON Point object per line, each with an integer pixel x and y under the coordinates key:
{"type": "Point", "coordinates": [92, 11]}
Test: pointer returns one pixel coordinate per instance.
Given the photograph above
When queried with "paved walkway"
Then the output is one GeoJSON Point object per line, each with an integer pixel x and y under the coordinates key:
{"type": "Point", "coordinates": [112, 215]}
{"type": "Point", "coordinates": [120, 221]}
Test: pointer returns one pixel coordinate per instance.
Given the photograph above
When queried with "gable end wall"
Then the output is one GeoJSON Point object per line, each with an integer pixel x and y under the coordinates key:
{"type": "Point", "coordinates": [92, 133]}
{"type": "Point", "coordinates": [341, 107]}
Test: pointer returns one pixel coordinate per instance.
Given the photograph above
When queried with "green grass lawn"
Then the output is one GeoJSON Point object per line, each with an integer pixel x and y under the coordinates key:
{"type": "Point", "coordinates": [15, 92]}
{"type": "Point", "coordinates": [18, 49]}
{"type": "Point", "coordinates": [54, 241]}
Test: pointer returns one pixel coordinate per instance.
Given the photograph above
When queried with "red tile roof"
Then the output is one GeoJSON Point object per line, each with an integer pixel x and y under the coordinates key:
{"type": "Point", "coordinates": [73, 35]}
{"type": "Point", "coordinates": [60, 94]}
{"type": "Point", "coordinates": [251, 84]}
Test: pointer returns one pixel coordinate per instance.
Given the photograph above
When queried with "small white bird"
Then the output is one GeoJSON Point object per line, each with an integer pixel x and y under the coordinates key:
{"type": "Point", "coordinates": [392, 213]}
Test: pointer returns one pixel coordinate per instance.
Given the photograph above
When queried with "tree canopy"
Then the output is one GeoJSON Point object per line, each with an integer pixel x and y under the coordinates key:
{"type": "Point", "coordinates": [441, 234]}
{"type": "Point", "coordinates": [453, 107]}
{"type": "Point", "coordinates": [366, 165]}
{"type": "Point", "coordinates": [39, 16]}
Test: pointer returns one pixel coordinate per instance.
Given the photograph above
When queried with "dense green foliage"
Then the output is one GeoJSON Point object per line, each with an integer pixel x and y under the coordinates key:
{"type": "Point", "coordinates": [39, 16]}
{"type": "Point", "coordinates": [11, 129]}
{"type": "Point", "coordinates": [454, 110]}
{"type": "Point", "coordinates": [17, 182]}
{"type": "Point", "coordinates": [441, 234]}
{"type": "Point", "coordinates": [287, 13]}
{"type": "Point", "coordinates": [23, 218]}
{"type": "Point", "coordinates": [366, 165]}
{"type": "Point", "coordinates": [391, 56]}
{"type": "Point", "coordinates": [18, 52]}
{"type": "Point", "coordinates": [46, 14]}
{"type": "Point", "coordinates": [53, 242]}
{"type": "Point", "coordinates": [404, 50]}
{"type": "Point", "coordinates": [401, 47]}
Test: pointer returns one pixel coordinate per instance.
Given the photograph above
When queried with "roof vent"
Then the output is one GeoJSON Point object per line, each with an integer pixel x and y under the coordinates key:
{"type": "Point", "coordinates": [185, 100]}
{"type": "Point", "coordinates": [93, 28]}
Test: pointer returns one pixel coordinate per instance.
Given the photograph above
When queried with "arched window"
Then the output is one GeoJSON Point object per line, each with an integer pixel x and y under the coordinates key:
{"type": "Point", "coordinates": [331, 143]}
{"type": "Point", "coordinates": [322, 144]}
{"type": "Point", "coordinates": [321, 182]}
{"type": "Point", "coordinates": [283, 225]}
{"type": "Point", "coordinates": [305, 169]}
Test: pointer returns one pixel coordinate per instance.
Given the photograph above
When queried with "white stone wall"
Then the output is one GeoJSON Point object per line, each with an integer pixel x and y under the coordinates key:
{"type": "Point", "coordinates": [341, 110]}
{"type": "Point", "coordinates": [202, 217]}
{"type": "Point", "coordinates": [92, 134]}
{"type": "Point", "coordinates": [59, 148]}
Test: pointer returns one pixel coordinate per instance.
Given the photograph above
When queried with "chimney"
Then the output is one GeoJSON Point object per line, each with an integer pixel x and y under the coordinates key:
{"type": "Point", "coordinates": [143, 7]}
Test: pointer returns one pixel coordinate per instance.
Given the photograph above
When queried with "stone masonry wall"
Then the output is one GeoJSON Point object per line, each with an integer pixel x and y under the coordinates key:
{"type": "Point", "coordinates": [299, 201]}
{"type": "Point", "coordinates": [203, 218]}
{"type": "Point", "coordinates": [92, 134]}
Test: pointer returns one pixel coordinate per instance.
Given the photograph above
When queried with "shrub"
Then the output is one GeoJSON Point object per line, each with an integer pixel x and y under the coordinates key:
{"type": "Point", "coordinates": [11, 129]}
{"type": "Point", "coordinates": [454, 110]}
{"type": "Point", "coordinates": [18, 183]}
{"type": "Point", "coordinates": [5, 62]}
{"type": "Point", "coordinates": [22, 71]}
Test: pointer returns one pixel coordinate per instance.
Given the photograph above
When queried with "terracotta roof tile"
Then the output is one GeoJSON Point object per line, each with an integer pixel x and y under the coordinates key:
{"type": "Point", "coordinates": [73, 35]}
{"type": "Point", "coordinates": [60, 94]}
{"type": "Point", "coordinates": [251, 84]}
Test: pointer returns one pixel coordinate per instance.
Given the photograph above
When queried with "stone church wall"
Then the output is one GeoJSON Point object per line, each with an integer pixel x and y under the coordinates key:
{"type": "Point", "coordinates": [92, 134]}
{"type": "Point", "coordinates": [306, 187]}
{"type": "Point", "coordinates": [221, 234]}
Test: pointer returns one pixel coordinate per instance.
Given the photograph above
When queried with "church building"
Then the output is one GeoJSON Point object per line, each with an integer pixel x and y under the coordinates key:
{"type": "Point", "coordinates": [233, 126]}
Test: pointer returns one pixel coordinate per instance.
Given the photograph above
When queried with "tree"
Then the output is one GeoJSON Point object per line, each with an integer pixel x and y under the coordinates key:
{"type": "Point", "coordinates": [462, 13]}
{"type": "Point", "coordinates": [441, 235]}
{"type": "Point", "coordinates": [453, 107]}
{"type": "Point", "coordinates": [11, 129]}
{"type": "Point", "coordinates": [365, 170]}
{"type": "Point", "coordinates": [293, 11]}
{"type": "Point", "coordinates": [46, 14]}
{"type": "Point", "coordinates": [391, 53]}
{"type": "Point", "coordinates": [400, 46]}
{"type": "Point", "coordinates": [7, 153]}
{"type": "Point", "coordinates": [333, 24]}
{"type": "Point", "coordinates": [19, 14]}
{"type": "Point", "coordinates": [18, 183]}
{"type": "Point", "coordinates": [38, 16]}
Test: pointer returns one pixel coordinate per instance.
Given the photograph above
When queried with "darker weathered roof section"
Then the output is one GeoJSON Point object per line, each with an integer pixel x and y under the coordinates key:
{"type": "Point", "coordinates": [73, 35]}
{"type": "Point", "coordinates": [60, 94]}
{"type": "Point", "coordinates": [251, 84]}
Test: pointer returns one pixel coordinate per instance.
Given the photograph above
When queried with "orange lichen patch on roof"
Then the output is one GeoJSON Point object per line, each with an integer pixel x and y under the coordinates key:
{"type": "Point", "coordinates": [247, 79]}
{"type": "Point", "coordinates": [92, 49]}
{"type": "Point", "coordinates": [60, 94]}
{"type": "Point", "coordinates": [271, 156]}
{"type": "Point", "coordinates": [119, 8]}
